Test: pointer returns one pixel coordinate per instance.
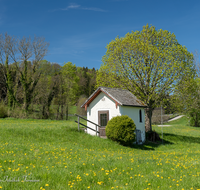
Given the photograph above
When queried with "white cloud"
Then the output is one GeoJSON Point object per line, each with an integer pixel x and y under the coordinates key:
{"type": "Point", "coordinates": [76, 6]}
{"type": "Point", "coordinates": [71, 6]}
{"type": "Point", "coordinates": [93, 9]}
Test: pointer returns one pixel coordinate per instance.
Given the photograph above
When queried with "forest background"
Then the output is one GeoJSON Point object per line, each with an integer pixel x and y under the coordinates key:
{"type": "Point", "coordinates": [32, 87]}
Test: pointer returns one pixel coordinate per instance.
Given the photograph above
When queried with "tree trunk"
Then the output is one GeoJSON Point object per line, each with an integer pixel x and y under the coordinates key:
{"type": "Point", "coordinates": [26, 102]}
{"type": "Point", "coordinates": [67, 112]}
{"type": "Point", "coordinates": [61, 114]}
{"type": "Point", "coordinates": [148, 126]}
{"type": "Point", "coordinates": [58, 112]}
{"type": "Point", "coordinates": [9, 84]}
{"type": "Point", "coordinates": [43, 111]}
{"type": "Point", "coordinates": [50, 98]}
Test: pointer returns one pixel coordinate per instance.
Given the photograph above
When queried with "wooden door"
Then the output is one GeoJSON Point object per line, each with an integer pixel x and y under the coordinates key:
{"type": "Point", "coordinates": [103, 117]}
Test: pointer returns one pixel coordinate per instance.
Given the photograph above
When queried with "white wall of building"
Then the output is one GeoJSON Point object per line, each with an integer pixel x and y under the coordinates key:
{"type": "Point", "coordinates": [104, 103]}
{"type": "Point", "coordinates": [133, 113]}
{"type": "Point", "coordinates": [100, 103]}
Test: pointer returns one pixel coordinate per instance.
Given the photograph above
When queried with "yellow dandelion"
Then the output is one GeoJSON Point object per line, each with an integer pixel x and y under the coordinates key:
{"type": "Point", "coordinates": [46, 184]}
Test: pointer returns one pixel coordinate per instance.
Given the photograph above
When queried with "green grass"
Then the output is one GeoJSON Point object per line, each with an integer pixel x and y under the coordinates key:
{"type": "Point", "coordinates": [59, 157]}
{"type": "Point", "coordinates": [73, 109]}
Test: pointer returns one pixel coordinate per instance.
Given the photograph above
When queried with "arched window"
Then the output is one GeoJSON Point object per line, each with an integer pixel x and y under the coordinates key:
{"type": "Point", "coordinates": [140, 115]}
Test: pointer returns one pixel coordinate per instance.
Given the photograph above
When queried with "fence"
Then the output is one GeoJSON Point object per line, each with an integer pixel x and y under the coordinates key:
{"type": "Point", "coordinates": [138, 132]}
{"type": "Point", "coordinates": [79, 123]}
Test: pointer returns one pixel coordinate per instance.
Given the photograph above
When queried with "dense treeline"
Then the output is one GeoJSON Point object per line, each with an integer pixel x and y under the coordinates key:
{"type": "Point", "coordinates": [31, 85]}
{"type": "Point", "coordinates": [58, 88]}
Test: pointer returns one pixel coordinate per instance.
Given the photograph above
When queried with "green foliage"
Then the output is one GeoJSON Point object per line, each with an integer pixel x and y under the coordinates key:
{"type": "Point", "coordinates": [47, 88]}
{"type": "Point", "coordinates": [87, 81]}
{"type": "Point", "coordinates": [81, 111]}
{"type": "Point", "coordinates": [68, 88]}
{"type": "Point", "coordinates": [170, 103]}
{"type": "Point", "coordinates": [121, 129]}
{"type": "Point", "coordinates": [188, 95]}
{"type": "Point", "coordinates": [148, 63]}
{"type": "Point", "coordinates": [19, 113]}
{"type": "Point", "coordinates": [194, 114]}
{"type": "Point", "coordinates": [3, 91]}
{"type": "Point", "coordinates": [70, 82]}
{"type": "Point", "coordinates": [3, 110]}
{"type": "Point", "coordinates": [31, 82]}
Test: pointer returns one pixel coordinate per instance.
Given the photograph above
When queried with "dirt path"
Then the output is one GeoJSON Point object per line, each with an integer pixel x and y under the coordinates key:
{"type": "Point", "coordinates": [175, 118]}
{"type": "Point", "coordinates": [178, 117]}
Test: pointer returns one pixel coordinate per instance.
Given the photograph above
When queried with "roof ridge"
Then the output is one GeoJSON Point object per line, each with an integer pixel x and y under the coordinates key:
{"type": "Point", "coordinates": [113, 97]}
{"type": "Point", "coordinates": [115, 88]}
{"type": "Point", "coordinates": [118, 95]}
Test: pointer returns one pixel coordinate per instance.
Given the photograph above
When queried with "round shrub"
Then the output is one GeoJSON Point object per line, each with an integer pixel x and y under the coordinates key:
{"type": "Point", "coordinates": [121, 129]}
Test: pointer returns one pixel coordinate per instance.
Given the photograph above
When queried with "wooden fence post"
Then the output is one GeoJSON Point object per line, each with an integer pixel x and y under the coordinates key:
{"type": "Point", "coordinates": [78, 124]}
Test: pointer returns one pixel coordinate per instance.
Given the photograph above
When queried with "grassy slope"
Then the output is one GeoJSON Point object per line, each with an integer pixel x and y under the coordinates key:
{"type": "Point", "coordinates": [54, 153]}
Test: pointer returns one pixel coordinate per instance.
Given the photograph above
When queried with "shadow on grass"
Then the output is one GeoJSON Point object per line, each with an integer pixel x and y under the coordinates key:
{"type": "Point", "coordinates": [189, 139]}
{"type": "Point", "coordinates": [148, 145]}
{"type": "Point", "coordinates": [171, 138]}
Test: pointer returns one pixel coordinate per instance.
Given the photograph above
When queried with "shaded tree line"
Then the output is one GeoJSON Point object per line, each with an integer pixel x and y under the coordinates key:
{"type": "Point", "coordinates": [29, 84]}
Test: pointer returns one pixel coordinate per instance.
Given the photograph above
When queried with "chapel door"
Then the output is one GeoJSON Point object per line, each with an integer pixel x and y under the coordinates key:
{"type": "Point", "coordinates": [103, 117]}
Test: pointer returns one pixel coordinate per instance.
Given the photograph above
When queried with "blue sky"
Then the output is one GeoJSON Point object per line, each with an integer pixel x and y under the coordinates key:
{"type": "Point", "coordinates": [79, 30]}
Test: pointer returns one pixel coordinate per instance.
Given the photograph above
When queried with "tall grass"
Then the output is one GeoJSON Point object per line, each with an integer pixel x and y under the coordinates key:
{"type": "Point", "coordinates": [44, 154]}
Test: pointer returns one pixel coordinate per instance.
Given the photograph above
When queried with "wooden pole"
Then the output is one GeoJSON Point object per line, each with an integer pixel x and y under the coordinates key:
{"type": "Point", "coordinates": [78, 124]}
{"type": "Point", "coordinates": [96, 129]}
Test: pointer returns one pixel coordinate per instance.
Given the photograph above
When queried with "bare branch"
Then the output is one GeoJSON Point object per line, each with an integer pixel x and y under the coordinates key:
{"type": "Point", "coordinates": [40, 48]}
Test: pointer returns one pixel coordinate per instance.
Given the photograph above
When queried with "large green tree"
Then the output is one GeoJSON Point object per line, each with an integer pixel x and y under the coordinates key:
{"type": "Point", "coordinates": [148, 63]}
{"type": "Point", "coordinates": [67, 90]}
{"type": "Point", "coordinates": [70, 85]}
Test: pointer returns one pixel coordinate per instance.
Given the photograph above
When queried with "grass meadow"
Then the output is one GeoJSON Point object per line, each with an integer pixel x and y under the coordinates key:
{"type": "Point", "coordinates": [50, 154]}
